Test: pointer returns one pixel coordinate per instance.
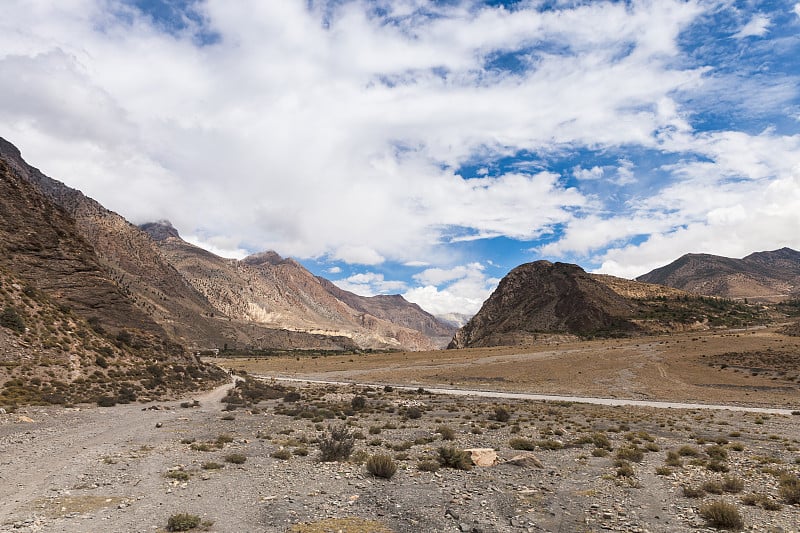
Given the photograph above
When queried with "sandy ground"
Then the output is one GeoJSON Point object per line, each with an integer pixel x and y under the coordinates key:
{"type": "Point", "coordinates": [680, 367]}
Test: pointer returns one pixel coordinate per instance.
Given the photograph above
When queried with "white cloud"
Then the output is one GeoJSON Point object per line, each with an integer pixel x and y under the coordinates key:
{"type": "Point", "coordinates": [334, 141]}
{"type": "Point", "coordinates": [797, 9]}
{"type": "Point", "coordinates": [370, 284]}
{"type": "Point", "coordinates": [758, 26]}
{"type": "Point", "coordinates": [334, 270]}
{"type": "Point", "coordinates": [594, 173]}
{"type": "Point", "coordinates": [461, 289]}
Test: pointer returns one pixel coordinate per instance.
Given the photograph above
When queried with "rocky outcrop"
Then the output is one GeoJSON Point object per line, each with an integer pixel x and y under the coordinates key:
{"type": "Point", "coordinates": [544, 297]}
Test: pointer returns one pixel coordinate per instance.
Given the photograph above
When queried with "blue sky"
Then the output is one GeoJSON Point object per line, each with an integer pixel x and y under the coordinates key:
{"type": "Point", "coordinates": [415, 147]}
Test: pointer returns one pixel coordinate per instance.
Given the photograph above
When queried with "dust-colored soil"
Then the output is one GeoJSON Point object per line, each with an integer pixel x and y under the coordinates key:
{"type": "Point", "coordinates": [129, 468]}
{"type": "Point", "coordinates": [720, 368]}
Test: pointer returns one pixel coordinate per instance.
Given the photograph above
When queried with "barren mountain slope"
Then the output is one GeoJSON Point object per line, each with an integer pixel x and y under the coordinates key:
{"type": "Point", "coordinates": [538, 300]}
{"type": "Point", "coordinates": [762, 276]}
{"type": "Point", "coordinates": [272, 291]}
{"type": "Point", "coordinates": [130, 257]}
{"type": "Point", "coordinates": [545, 297]}
{"type": "Point", "coordinates": [69, 332]}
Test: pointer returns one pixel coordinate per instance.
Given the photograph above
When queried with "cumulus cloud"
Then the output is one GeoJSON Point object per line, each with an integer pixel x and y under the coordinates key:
{"type": "Point", "coordinates": [757, 26]}
{"type": "Point", "coordinates": [335, 131]}
{"type": "Point", "coordinates": [462, 289]}
{"type": "Point", "coordinates": [370, 284]}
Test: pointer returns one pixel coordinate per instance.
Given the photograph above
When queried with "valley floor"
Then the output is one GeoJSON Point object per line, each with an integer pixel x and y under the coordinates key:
{"type": "Point", "coordinates": [128, 468]}
{"type": "Point", "coordinates": [757, 367]}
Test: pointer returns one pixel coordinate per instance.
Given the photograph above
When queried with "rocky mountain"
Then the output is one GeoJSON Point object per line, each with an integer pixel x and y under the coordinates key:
{"type": "Point", "coordinates": [204, 313]}
{"type": "Point", "coordinates": [64, 319]}
{"type": "Point", "coordinates": [268, 290]}
{"type": "Point", "coordinates": [541, 299]}
{"type": "Point", "coordinates": [762, 276]}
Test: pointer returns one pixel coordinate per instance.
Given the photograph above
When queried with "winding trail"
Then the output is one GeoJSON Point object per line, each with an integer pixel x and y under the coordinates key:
{"type": "Point", "coordinates": [544, 397]}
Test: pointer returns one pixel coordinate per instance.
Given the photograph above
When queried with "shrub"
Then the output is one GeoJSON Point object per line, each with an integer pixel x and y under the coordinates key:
{"type": "Point", "coordinates": [520, 443]}
{"type": "Point", "coordinates": [732, 484]}
{"type": "Point", "coordinates": [789, 488]}
{"type": "Point", "coordinates": [600, 440]}
{"type": "Point", "coordinates": [451, 457]}
{"type": "Point", "coordinates": [282, 454]}
{"type": "Point", "coordinates": [381, 466]}
{"type": "Point", "coordinates": [337, 444]}
{"type": "Point", "coordinates": [291, 396]}
{"type": "Point", "coordinates": [182, 522]}
{"type": "Point", "coordinates": [716, 466]}
{"type": "Point", "coordinates": [688, 451]}
{"type": "Point", "coordinates": [180, 475]}
{"type": "Point", "coordinates": [692, 492]}
{"type": "Point", "coordinates": [11, 319]}
{"type": "Point", "coordinates": [713, 487]}
{"type": "Point", "coordinates": [624, 469]}
{"type": "Point", "coordinates": [358, 403]}
{"type": "Point", "coordinates": [722, 515]}
{"type": "Point", "coordinates": [428, 466]}
{"type": "Point", "coordinates": [106, 401]}
{"type": "Point", "coordinates": [549, 444]}
{"type": "Point", "coordinates": [235, 458]}
{"type": "Point", "coordinates": [446, 432]}
{"type": "Point", "coordinates": [673, 459]}
{"type": "Point", "coordinates": [630, 453]}
{"type": "Point", "coordinates": [413, 412]}
{"type": "Point", "coordinates": [501, 414]}
{"type": "Point", "coordinates": [211, 465]}
{"type": "Point", "coordinates": [663, 471]}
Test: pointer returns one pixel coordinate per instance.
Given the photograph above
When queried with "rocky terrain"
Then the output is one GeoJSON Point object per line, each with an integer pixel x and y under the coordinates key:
{"type": "Point", "coordinates": [771, 276]}
{"type": "Point", "coordinates": [538, 300]}
{"type": "Point", "coordinates": [269, 290]}
{"type": "Point", "coordinates": [547, 466]}
{"type": "Point", "coordinates": [202, 301]}
{"type": "Point", "coordinates": [68, 330]}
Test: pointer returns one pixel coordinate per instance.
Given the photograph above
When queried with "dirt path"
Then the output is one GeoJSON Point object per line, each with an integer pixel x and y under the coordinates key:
{"type": "Point", "coordinates": [544, 397]}
{"type": "Point", "coordinates": [47, 468]}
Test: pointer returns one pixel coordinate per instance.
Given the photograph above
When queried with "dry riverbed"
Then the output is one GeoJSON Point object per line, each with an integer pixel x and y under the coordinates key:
{"type": "Point", "coordinates": [129, 468]}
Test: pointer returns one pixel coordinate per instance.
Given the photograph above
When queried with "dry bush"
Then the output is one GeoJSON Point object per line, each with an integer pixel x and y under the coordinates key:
{"type": "Point", "coordinates": [451, 457]}
{"type": "Point", "coordinates": [381, 466]}
{"type": "Point", "coordinates": [722, 515]}
{"type": "Point", "coordinates": [182, 522]}
{"type": "Point", "coordinates": [337, 444]}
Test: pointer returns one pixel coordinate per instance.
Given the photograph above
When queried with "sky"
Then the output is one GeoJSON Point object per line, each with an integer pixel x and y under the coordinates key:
{"type": "Point", "coordinates": [419, 147]}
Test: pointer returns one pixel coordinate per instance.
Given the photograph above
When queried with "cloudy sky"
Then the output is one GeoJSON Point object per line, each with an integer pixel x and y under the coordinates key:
{"type": "Point", "coordinates": [420, 147]}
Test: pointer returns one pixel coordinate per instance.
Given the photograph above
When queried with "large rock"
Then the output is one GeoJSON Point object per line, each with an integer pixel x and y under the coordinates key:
{"type": "Point", "coordinates": [483, 456]}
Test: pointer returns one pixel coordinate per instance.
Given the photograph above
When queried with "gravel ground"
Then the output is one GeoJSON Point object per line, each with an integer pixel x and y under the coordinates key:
{"type": "Point", "coordinates": [129, 468]}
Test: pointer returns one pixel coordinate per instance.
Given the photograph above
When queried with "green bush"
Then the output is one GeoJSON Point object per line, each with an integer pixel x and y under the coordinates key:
{"type": "Point", "coordinates": [381, 466]}
{"type": "Point", "coordinates": [182, 522]}
{"type": "Point", "coordinates": [722, 515]}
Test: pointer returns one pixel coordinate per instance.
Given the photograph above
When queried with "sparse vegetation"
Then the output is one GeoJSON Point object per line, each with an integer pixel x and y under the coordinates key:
{"type": "Point", "coordinates": [183, 522]}
{"type": "Point", "coordinates": [337, 444]}
{"type": "Point", "coordinates": [451, 457]}
{"type": "Point", "coordinates": [722, 515]}
{"type": "Point", "coordinates": [235, 458]}
{"type": "Point", "coordinates": [381, 466]}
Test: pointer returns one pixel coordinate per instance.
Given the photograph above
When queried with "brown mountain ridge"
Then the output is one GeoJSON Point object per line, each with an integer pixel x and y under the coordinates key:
{"type": "Point", "coordinates": [539, 300]}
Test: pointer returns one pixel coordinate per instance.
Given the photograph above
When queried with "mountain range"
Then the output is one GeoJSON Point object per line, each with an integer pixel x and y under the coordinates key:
{"type": "Point", "coordinates": [771, 276]}
{"type": "Point", "coordinates": [144, 289]}
{"type": "Point", "coordinates": [543, 300]}
{"type": "Point", "coordinates": [194, 298]}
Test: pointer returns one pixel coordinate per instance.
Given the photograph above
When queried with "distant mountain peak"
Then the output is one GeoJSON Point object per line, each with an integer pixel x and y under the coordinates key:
{"type": "Point", "coordinates": [268, 257]}
{"type": "Point", "coordinates": [160, 230]}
